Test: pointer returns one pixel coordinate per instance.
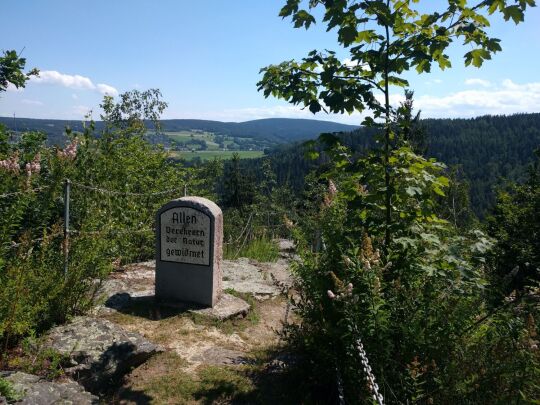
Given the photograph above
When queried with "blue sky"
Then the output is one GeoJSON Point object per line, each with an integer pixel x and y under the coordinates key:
{"type": "Point", "coordinates": [205, 57]}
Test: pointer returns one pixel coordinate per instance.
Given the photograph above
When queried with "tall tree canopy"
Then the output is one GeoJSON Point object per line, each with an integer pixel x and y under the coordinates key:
{"type": "Point", "coordinates": [385, 39]}
{"type": "Point", "coordinates": [11, 70]}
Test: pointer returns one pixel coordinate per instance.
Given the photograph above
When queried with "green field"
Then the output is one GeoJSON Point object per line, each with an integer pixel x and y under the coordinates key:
{"type": "Point", "coordinates": [220, 154]}
{"type": "Point", "coordinates": [191, 140]}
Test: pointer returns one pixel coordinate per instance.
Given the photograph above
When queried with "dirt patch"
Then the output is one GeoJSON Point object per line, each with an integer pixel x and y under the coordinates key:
{"type": "Point", "coordinates": [205, 360]}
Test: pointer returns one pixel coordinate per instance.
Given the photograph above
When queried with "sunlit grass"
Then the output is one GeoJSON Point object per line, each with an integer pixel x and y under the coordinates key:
{"type": "Point", "coordinates": [260, 249]}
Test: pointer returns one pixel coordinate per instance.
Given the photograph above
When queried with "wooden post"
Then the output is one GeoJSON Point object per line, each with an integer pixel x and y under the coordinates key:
{"type": "Point", "coordinates": [67, 188]}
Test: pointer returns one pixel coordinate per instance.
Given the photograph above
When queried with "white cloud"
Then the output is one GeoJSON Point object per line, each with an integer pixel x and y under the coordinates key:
{"type": "Point", "coordinates": [255, 113]}
{"type": "Point", "coordinates": [81, 111]}
{"type": "Point", "coordinates": [13, 89]}
{"type": "Point", "coordinates": [106, 89]}
{"type": "Point", "coordinates": [433, 81]}
{"type": "Point", "coordinates": [478, 82]}
{"type": "Point", "coordinates": [353, 63]}
{"type": "Point", "coordinates": [31, 102]}
{"type": "Point", "coordinates": [507, 98]}
{"type": "Point", "coordinates": [72, 82]}
{"type": "Point", "coordinates": [349, 62]}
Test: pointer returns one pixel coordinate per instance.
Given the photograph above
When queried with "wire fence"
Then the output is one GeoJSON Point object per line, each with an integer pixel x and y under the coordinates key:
{"type": "Point", "coordinates": [246, 230]}
{"type": "Point", "coordinates": [32, 190]}
{"type": "Point", "coordinates": [67, 199]}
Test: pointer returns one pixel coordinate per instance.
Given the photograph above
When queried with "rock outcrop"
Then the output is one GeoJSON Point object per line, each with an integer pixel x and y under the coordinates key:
{"type": "Point", "coordinates": [100, 351]}
{"type": "Point", "coordinates": [34, 390]}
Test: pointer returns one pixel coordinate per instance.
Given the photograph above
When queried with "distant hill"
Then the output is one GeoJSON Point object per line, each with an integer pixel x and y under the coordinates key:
{"type": "Point", "coordinates": [276, 130]}
{"type": "Point", "coordinates": [489, 149]}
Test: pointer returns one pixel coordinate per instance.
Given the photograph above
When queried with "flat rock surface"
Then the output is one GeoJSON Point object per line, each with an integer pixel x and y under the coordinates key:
{"type": "Point", "coordinates": [227, 307]}
{"type": "Point", "coordinates": [100, 351]}
{"type": "Point", "coordinates": [135, 282]}
{"type": "Point", "coordinates": [36, 391]}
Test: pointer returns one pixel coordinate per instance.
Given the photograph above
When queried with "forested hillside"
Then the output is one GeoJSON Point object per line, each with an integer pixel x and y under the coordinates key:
{"type": "Point", "coordinates": [275, 130]}
{"type": "Point", "coordinates": [488, 149]}
{"type": "Point", "coordinates": [138, 264]}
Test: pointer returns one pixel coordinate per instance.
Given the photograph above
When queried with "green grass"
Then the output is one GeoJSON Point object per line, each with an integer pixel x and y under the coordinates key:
{"type": "Point", "coordinates": [220, 154]}
{"type": "Point", "coordinates": [209, 385]}
{"type": "Point", "coordinates": [7, 391]}
{"type": "Point", "coordinates": [186, 135]}
{"type": "Point", "coordinates": [168, 382]}
{"type": "Point", "coordinates": [260, 249]}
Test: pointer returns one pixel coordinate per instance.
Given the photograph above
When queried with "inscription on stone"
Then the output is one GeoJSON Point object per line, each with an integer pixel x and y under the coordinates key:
{"type": "Point", "coordinates": [189, 249]}
{"type": "Point", "coordinates": [185, 236]}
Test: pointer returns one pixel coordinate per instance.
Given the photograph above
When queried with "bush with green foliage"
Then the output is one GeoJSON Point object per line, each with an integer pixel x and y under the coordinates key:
{"type": "Point", "coordinates": [118, 181]}
{"type": "Point", "coordinates": [515, 223]}
{"type": "Point", "coordinates": [389, 271]}
{"type": "Point", "coordinates": [420, 310]}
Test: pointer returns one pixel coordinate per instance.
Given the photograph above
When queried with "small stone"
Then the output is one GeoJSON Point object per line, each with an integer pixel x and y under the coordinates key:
{"type": "Point", "coordinates": [227, 307]}
{"type": "Point", "coordinates": [286, 245]}
{"type": "Point", "coordinates": [221, 356]}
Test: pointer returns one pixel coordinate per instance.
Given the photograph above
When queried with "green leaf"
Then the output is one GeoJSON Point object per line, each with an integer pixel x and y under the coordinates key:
{"type": "Point", "coordinates": [476, 57]}
{"type": "Point", "coordinates": [513, 12]}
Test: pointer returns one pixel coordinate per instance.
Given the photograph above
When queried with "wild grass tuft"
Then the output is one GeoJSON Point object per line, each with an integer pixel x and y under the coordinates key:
{"type": "Point", "coordinates": [261, 249]}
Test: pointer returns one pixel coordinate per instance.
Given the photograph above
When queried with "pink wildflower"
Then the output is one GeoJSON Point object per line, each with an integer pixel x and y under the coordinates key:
{"type": "Point", "coordinates": [11, 164]}
{"type": "Point", "coordinates": [332, 190]}
{"type": "Point", "coordinates": [349, 288]}
{"type": "Point", "coordinates": [70, 151]}
{"type": "Point", "coordinates": [33, 167]}
{"type": "Point", "coordinates": [330, 294]}
{"type": "Point", "coordinates": [331, 193]}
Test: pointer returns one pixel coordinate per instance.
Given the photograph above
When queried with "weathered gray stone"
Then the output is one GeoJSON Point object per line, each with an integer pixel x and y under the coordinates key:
{"type": "Point", "coordinates": [249, 276]}
{"type": "Point", "coordinates": [221, 356]}
{"type": "Point", "coordinates": [285, 246]}
{"type": "Point", "coordinates": [136, 282]}
{"type": "Point", "coordinates": [227, 307]}
{"type": "Point", "coordinates": [100, 351]}
{"type": "Point", "coordinates": [36, 391]}
{"type": "Point", "coordinates": [189, 251]}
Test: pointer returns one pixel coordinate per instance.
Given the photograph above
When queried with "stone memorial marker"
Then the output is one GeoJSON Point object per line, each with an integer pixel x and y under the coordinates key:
{"type": "Point", "coordinates": [189, 240]}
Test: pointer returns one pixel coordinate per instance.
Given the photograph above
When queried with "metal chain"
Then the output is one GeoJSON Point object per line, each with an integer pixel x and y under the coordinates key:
{"type": "Point", "coordinates": [372, 385]}
{"type": "Point", "coordinates": [113, 192]}
{"type": "Point", "coordinates": [14, 245]}
{"type": "Point", "coordinates": [341, 392]}
{"type": "Point", "coordinates": [115, 231]}
{"type": "Point", "coordinates": [287, 311]}
{"type": "Point", "coordinates": [22, 192]}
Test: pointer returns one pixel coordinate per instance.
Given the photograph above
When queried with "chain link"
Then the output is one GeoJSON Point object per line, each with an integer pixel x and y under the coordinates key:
{"type": "Point", "coordinates": [113, 192]}
{"type": "Point", "coordinates": [114, 231]}
{"type": "Point", "coordinates": [341, 392]}
{"type": "Point", "coordinates": [372, 385]}
{"type": "Point", "coordinates": [14, 245]}
{"type": "Point", "coordinates": [22, 192]}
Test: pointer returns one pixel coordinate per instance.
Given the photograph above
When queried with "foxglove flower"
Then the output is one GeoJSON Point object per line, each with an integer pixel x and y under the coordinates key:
{"type": "Point", "coordinates": [33, 167]}
{"type": "Point", "coordinates": [70, 151]}
{"type": "Point", "coordinates": [11, 164]}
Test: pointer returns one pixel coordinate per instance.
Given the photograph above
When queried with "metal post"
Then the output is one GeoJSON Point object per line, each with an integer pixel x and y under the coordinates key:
{"type": "Point", "coordinates": [185, 190]}
{"type": "Point", "coordinates": [67, 187]}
